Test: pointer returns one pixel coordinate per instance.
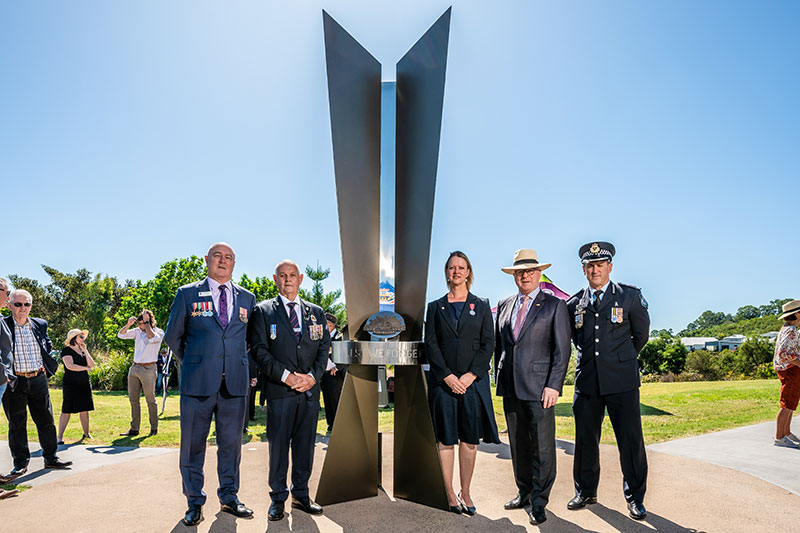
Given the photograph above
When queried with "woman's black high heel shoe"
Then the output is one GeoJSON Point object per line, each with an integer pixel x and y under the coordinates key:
{"type": "Point", "coordinates": [467, 510]}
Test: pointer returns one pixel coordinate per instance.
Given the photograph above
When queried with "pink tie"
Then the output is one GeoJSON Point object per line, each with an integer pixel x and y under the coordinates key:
{"type": "Point", "coordinates": [520, 317]}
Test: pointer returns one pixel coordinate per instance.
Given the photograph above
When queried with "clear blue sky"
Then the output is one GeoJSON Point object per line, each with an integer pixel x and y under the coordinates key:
{"type": "Point", "coordinates": [132, 133]}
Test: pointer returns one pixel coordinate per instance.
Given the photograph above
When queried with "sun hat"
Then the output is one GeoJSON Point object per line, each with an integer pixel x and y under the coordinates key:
{"type": "Point", "coordinates": [525, 259]}
{"type": "Point", "coordinates": [71, 334]}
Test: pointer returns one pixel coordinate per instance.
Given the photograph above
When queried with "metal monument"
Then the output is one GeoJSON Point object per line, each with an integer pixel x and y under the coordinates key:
{"type": "Point", "coordinates": [363, 110]}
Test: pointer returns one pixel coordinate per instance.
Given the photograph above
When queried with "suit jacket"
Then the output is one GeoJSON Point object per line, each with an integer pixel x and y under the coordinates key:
{"type": "Point", "coordinates": [281, 351]}
{"type": "Point", "coordinates": [607, 351]}
{"type": "Point", "coordinates": [539, 358]}
{"type": "Point", "coordinates": [39, 327]}
{"type": "Point", "coordinates": [205, 349]}
{"type": "Point", "coordinates": [459, 348]}
{"type": "Point", "coordinates": [6, 354]}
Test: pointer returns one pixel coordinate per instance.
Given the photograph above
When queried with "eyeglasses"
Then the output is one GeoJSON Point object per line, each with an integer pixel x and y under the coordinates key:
{"type": "Point", "coordinates": [19, 304]}
{"type": "Point", "coordinates": [81, 336]}
{"type": "Point", "coordinates": [523, 273]}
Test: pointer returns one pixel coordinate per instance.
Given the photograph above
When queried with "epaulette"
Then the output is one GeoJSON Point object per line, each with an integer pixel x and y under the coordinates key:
{"type": "Point", "coordinates": [631, 286]}
{"type": "Point", "coordinates": [576, 295]}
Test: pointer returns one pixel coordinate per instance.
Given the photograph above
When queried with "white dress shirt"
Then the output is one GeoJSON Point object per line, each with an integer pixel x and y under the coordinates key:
{"type": "Point", "coordinates": [144, 350]}
{"type": "Point", "coordinates": [533, 294]}
{"type": "Point", "coordinates": [214, 286]}
{"type": "Point", "coordinates": [298, 309]}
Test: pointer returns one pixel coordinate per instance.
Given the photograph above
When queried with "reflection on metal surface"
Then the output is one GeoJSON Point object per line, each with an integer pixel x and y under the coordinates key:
{"type": "Point", "coordinates": [417, 468]}
{"type": "Point", "coordinates": [420, 98]}
{"type": "Point", "coordinates": [354, 95]}
{"type": "Point", "coordinates": [350, 471]}
{"type": "Point", "coordinates": [377, 352]}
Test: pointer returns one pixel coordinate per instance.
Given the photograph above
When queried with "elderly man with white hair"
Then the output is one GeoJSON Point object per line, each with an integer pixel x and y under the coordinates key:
{"type": "Point", "coordinates": [33, 365]}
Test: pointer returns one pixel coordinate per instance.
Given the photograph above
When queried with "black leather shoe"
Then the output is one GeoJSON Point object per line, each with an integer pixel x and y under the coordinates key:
{"type": "Point", "coordinates": [194, 515]}
{"type": "Point", "coordinates": [18, 471]}
{"type": "Point", "coordinates": [307, 504]}
{"type": "Point", "coordinates": [637, 510]}
{"type": "Point", "coordinates": [517, 502]}
{"type": "Point", "coordinates": [275, 511]}
{"type": "Point", "coordinates": [537, 515]}
{"type": "Point", "coordinates": [579, 502]}
{"type": "Point", "coordinates": [129, 433]}
{"type": "Point", "coordinates": [237, 508]}
{"type": "Point", "coordinates": [466, 509]}
{"type": "Point", "coordinates": [153, 433]}
{"type": "Point", "coordinates": [58, 463]}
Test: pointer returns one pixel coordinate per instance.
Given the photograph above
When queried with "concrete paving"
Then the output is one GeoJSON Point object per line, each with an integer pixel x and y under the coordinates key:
{"type": "Point", "coordinates": [84, 458]}
{"type": "Point", "coordinates": [747, 449]}
{"type": "Point", "coordinates": [144, 495]}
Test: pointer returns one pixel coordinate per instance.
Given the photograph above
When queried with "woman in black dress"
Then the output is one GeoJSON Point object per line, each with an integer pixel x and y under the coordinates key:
{"type": "Point", "coordinates": [459, 338]}
{"type": "Point", "coordinates": [76, 388]}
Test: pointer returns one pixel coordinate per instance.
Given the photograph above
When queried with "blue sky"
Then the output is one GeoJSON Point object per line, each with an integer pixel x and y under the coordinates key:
{"type": "Point", "coordinates": [132, 133]}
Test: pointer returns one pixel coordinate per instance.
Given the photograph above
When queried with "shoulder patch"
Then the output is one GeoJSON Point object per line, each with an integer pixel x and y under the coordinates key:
{"type": "Point", "coordinates": [644, 302]}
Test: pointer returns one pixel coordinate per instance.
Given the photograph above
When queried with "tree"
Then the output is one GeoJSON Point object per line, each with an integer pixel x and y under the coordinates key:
{"type": "Point", "coordinates": [263, 287]}
{"type": "Point", "coordinates": [673, 358]}
{"type": "Point", "coordinates": [752, 353]}
{"type": "Point", "coordinates": [664, 333]}
{"type": "Point", "coordinates": [327, 301]}
{"type": "Point", "coordinates": [650, 357]}
{"type": "Point", "coordinates": [747, 311]}
{"type": "Point", "coordinates": [156, 294]}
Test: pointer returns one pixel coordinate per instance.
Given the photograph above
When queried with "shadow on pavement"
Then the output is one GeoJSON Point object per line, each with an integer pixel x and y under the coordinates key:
{"type": "Point", "coordinates": [653, 411]}
{"type": "Point", "coordinates": [624, 523]}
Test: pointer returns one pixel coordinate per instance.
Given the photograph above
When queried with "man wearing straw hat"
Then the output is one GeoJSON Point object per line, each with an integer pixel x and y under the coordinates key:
{"type": "Point", "coordinates": [532, 350]}
{"type": "Point", "coordinates": [610, 325]}
{"type": "Point", "coordinates": [787, 365]}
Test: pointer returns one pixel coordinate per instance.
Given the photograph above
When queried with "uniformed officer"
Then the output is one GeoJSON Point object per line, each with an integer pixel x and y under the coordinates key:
{"type": "Point", "coordinates": [610, 325]}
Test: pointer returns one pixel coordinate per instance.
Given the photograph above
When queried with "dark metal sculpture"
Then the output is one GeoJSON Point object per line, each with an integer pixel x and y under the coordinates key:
{"type": "Point", "coordinates": [352, 463]}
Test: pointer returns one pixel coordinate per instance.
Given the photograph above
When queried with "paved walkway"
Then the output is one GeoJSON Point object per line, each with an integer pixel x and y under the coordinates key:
{"type": "Point", "coordinates": [140, 490]}
{"type": "Point", "coordinates": [747, 449]}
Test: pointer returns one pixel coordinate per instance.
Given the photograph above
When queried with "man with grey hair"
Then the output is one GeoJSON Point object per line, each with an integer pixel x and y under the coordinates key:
{"type": "Point", "coordinates": [289, 340]}
{"type": "Point", "coordinates": [33, 365]}
{"type": "Point", "coordinates": [6, 369]}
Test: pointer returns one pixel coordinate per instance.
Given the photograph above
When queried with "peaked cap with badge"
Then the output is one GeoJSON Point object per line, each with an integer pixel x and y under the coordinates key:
{"type": "Point", "coordinates": [596, 251]}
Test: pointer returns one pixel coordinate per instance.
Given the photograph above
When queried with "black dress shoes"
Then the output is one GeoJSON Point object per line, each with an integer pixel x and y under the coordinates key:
{"type": "Point", "coordinates": [517, 502]}
{"type": "Point", "coordinates": [129, 433]}
{"type": "Point", "coordinates": [537, 515]}
{"type": "Point", "coordinates": [637, 510]}
{"type": "Point", "coordinates": [153, 433]}
{"type": "Point", "coordinates": [237, 508]}
{"type": "Point", "coordinates": [58, 464]}
{"type": "Point", "coordinates": [579, 502]}
{"type": "Point", "coordinates": [194, 515]}
{"type": "Point", "coordinates": [307, 504]}
{"type": "Point", "coordinates": [275, 511]}
{"type": "Point", "coordinates": [18, 471]}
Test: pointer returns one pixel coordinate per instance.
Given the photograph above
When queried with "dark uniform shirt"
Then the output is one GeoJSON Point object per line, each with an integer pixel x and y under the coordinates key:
{"type": "Point", "coordinates": [608, 339]}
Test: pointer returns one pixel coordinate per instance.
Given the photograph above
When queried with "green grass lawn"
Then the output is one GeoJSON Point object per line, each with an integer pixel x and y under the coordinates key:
{"type": "Point", "coordinates": [669, 411]}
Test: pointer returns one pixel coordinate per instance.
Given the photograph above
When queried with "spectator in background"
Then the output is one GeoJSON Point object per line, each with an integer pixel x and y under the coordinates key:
{"type": "Point", "coordinates": [161, 369]}
{"type": "Point", "coordinates": [333, 379]}
{"type": "Point", "coordinates": [6, 369]}
{"type": "Point", "coordinates": [787, 365]}
{"type": "Point", "coordinates": [76, 387]}
{"type": "Point", "coordinates": [142, 374]}
{"type": "Point", "coordinates": [32, 366]}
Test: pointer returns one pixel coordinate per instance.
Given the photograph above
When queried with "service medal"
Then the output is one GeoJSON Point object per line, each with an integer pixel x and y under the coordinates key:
{"type": "Point", "coordinates": [313, 319]}
{"type": "Point", "coordinates": [578, 319]}
{"type": "Point", "coordinates": [272, 332]}
{"type": "Point", "coordinates": [243, 314]}
{"type": "Point", "coordinates": [472, 309]}
{"type": "Point", "coordinates": [616, 315]}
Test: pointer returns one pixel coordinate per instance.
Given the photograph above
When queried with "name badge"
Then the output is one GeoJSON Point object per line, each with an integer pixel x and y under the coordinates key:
{"type": "Point", "coordinates": [204, 293]}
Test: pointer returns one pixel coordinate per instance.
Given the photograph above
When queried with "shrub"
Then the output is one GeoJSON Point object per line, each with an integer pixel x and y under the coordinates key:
{"type": "Point", "coordinates": [765, 371]}
{"type": "Point", "coordinates": [573, 362]}
{"type": "Point", "coordinates": [111, 370]}
{"type": "Point", "coordinates": [704, 363]}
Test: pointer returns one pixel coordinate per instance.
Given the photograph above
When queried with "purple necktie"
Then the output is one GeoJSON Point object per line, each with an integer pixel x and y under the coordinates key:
{"type": "Point", "coordinates": [520, 317]}
{"type": "Point", "coordinates": [223, 306]}
{"type": "Point", "coordinates": [294, 321]}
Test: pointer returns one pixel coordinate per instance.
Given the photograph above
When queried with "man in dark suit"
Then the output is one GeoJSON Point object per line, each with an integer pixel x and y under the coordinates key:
{"type": "Point", "coordinates": [29, 390]}
{"type": "Point", "coordinates": [207, 332]}
{"type": "Point", "coordinates": [532, 352]}
{"type": "Point", "coordinates": [333, 378]}
{"type": "Point", "coordinates": [610, 326]}
{"type": "Point", "coordinates": [289, 340]}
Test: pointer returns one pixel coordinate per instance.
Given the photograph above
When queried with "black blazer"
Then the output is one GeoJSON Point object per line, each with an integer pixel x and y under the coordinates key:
{"type": "Point", "coordinates": [284, 352]}
{"type": "Point", "coordinates": [540, 357]}
{"type": "Point", "coordinates": [607, 351]}
{"type": "Point", "coordinates": [6, 355]}
{"type": "Point", "coordinates": [39, 327]}
{"type": "Point", "coordinates": [459, 348]}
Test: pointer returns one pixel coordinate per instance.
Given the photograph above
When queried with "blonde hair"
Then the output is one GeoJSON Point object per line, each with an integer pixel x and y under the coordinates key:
{"type": "Point", "coordinates": [462, 255]}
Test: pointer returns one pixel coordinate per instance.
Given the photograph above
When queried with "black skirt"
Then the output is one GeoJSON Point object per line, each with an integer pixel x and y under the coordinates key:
{"type": "Point", "coordinates": [461, 417]}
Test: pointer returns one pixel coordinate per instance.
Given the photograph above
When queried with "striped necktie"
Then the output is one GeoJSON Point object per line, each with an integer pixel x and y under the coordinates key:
{"type": "Point", "coordinates": [293, 320]}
